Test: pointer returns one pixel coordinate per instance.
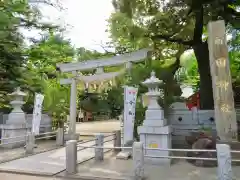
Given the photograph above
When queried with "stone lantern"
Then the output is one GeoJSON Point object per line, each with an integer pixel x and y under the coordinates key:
{"type": "Point", "coordinates": [14, 131]}
{"type": "Point", "coordinates": [155, 133]}
{"type": "Point", "coordinates": [17, 116]}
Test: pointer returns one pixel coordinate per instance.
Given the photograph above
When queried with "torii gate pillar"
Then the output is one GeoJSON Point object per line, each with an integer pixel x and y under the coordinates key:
{"type": "Point", "coordinates": [73, 109]}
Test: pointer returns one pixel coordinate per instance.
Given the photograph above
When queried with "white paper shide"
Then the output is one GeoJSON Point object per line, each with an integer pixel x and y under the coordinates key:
{"type": "Point", "coordinates": [37, 113]}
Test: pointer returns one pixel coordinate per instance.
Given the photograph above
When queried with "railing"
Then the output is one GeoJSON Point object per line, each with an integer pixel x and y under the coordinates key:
{"type": "Point", "coordinates": [29, 140]}
{"type": "Point", "coordinates": [72, 147]}
{"type": "Point", "coordinates": [223, 159]}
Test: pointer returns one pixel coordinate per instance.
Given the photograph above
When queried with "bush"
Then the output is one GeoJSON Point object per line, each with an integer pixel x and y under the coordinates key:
{"type": "Point", "coordinates": [139, 118]}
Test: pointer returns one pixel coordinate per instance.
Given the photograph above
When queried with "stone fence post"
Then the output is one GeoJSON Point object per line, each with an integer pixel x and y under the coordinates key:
{"type": "Point", "coordinates": [60, 137]}
{"type": "Point", "coordinates": [117, 140]}
{"type": "Point", "coordinates": [138, 161]}
{"type": "Point", "coordinates": [71, 157]}
{"type": "Point", "coordinates": [224, 162]}
{"type": "Point", "coordinates": [30, 143]}
{"type": "Point", "coordinates": [99, 155]}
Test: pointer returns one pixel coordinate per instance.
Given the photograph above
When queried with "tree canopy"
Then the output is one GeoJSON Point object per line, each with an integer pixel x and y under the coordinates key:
{"type": "Point", "coordinates": [170, 28]}
{"type": "Point", "coordinates": [15, 15]}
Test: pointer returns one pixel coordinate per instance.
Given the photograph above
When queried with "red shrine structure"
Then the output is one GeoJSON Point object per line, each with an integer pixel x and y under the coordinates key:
{"type": "Point", "coordinates": [193, 101]}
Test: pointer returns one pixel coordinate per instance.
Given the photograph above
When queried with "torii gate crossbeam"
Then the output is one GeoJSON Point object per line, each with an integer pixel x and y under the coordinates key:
{"type": "Point", "coordinates": [136, 56]}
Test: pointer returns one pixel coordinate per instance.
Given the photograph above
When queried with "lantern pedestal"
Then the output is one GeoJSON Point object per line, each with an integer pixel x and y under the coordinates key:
{"type": "Point", "coordinates": [15, 130]}
{"type": "Point", "coordinates": [156, 137]}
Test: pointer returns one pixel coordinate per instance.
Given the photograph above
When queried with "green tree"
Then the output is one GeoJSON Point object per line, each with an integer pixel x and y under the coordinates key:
{"type": "Point", "coordinates": [168, 26]}
{"type": "Point", "coordinates": [44, 77]}
{"type": "Point", "coordinates": [234, 56]}
{"type": "Point", "coordinates": [15, 15]}
{"type": "Point", "coordinates": [11, 41]}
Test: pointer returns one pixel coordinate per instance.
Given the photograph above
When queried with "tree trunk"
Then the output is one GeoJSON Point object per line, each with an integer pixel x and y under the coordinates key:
{"type": "Point", "coordinates": [206, 92]}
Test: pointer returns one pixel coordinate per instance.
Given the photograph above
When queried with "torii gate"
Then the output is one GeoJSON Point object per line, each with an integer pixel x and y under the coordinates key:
{"type": "Point", "coordinates": [98, 64]}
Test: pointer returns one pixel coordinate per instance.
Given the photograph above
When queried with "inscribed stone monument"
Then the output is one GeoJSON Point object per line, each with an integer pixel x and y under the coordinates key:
{"type": "Point", "coordinates": [225, 114]}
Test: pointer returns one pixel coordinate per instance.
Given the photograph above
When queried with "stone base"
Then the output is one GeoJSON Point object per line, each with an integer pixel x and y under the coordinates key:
{"type": "Point", "coordinates": [156, 137]}
{"type": "Point", "coordinates": [68, 137]}
{"type": "Point", "coordinates": [12, 131]}
{"type": "Point", "coordinates": [126, 153]}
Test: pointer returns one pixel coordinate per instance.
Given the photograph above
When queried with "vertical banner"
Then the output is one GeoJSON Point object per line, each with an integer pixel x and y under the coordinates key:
{"type": "Point", "coordinates": [130, 99]}
{"type": "Point", "coordinates": [37, 113]}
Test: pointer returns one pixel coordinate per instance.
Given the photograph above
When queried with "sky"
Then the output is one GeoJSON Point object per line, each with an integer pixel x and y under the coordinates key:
{"type": "Point", "coordinates": [87, 24]}
{"type": "Point", "coordinates": [86, 20]}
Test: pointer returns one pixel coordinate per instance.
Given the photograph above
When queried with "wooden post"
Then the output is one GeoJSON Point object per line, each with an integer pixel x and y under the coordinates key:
{"type": "Point", "coordinates": [225, 114]}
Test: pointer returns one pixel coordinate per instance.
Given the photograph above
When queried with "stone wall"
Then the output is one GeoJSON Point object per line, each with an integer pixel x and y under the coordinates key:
{"type": "Point", "coordinates": [184, 121]}
{"type": "Point", "coordinates": [45, 126]}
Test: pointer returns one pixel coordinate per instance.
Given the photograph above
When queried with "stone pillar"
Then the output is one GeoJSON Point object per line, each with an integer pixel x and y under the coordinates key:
{"type": "Point", "coordinates": [73, 109]}
{"type": "Point", "coordinates": [224, 162]}
{"type": "Point", "coordinates": [99, 154]}
{"type": "Point", "coordinates": [16, 123]}
{"type": "Point", "coordinates": [60, 137]}
{"type": "Point", "coordinates": [155, 133]}
{"type": "Point", "coordinates": [71, 157]}
{"type": "Point", "coordinates": [138, 161]}
{"type": "Point", "coordinates": [117, 140]}
{"type": "Point", "coordinates": [30, 143]}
